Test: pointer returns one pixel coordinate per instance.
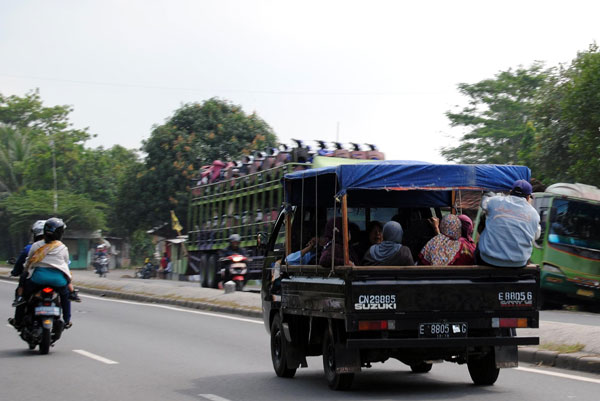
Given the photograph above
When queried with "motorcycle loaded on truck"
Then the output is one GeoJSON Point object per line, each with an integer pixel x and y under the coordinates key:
{"type": "Point", "coordinates": [355, 315]}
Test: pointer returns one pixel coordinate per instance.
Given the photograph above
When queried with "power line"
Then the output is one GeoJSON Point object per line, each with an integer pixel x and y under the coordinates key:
{"type": "Point", "coordinates": [239, 91]}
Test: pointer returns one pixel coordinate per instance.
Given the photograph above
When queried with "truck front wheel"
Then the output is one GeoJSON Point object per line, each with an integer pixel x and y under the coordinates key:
{"type": "Point", "coordinates": [279, 350]}
{"type": "Point", "coordinates": [336, 381]}
{"type": "Point", "coordinates": [483, 371]}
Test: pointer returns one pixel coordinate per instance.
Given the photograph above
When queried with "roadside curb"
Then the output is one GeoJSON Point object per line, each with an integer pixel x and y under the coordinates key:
{"type": "Point", "coordinates": [579, 361]}
{"type": "Point", "coordinates": [175, 302]}
{"type": "Point", "coordinates": [205, 306]}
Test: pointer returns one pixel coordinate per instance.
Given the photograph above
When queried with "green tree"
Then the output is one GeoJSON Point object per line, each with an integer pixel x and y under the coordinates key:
{"type": "Point", "coordinates": [568, 119]}
{"type": "Point", "coordinates": [15, 151]}
{"type": "Point", "coordinates": [78, 211]}
{"type": "Point", "coordinates": [499, 118]}
{"type": "Point", "coordinates": [195, 135]}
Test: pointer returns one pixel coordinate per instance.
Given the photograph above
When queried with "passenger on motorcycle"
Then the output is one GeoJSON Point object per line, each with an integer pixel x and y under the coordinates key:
{"type": "Point", "coordinates": [37, 230]}
{"type": "Point", "coordinates": [47, 264]}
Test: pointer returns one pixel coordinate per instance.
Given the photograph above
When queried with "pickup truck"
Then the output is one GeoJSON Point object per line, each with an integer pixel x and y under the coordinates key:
{"type": "Point", "coordinates": [357, 315]}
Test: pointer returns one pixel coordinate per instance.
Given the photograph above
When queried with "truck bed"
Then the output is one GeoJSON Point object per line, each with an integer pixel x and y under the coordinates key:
{"type": "Point", "coordinates": [479, 298]}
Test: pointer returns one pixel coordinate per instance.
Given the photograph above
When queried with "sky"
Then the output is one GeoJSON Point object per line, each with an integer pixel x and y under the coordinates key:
{"type": "Point", "coordinates": [382, 72]}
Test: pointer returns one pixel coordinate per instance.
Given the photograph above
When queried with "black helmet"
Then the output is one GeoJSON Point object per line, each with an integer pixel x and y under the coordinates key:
{"type": "Point", "coordinates": [54, 229]}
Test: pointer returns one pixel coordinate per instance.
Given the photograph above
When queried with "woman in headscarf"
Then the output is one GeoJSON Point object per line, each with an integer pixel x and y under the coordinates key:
{"type": "Point", "coordinates": [466, 236]}
{"type": "Point", "coordinates": [446, 247]}
{"type": "Point", "coordinates": [333, 230]}
{"type": "Point", "coordinates": [390, 252]}
{"type": "Point", "coordinates": [373, 236]}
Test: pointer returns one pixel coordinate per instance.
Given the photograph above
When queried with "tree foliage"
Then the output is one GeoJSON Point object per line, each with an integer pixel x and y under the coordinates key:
{"type": "Point", "coordinates": [78, 211]}
{"type": "Point", "coordinates": [195, 135]}
{"type": "Point", "coordinates": [548, 119]}
{"type": "Point", "coordinates": [498, 118]}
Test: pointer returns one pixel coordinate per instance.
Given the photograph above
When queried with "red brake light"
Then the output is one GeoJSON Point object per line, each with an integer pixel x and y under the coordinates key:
{"type": "Point", "coordinates": [364, 325]}
{"type": "Point", "coordinates": [47, 290]}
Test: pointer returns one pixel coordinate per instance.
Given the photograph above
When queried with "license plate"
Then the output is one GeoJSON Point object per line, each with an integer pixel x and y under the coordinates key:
{"type": "Point", "coordinates": [47, 311]}
{"type": "Point", "coordinates": [585, 293]}
{"type": "Point", "coordinates": [442, 330]}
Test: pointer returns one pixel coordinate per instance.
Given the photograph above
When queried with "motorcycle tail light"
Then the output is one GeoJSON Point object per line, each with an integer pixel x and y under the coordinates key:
{"type": "Point", "coordinates": [47, 290]}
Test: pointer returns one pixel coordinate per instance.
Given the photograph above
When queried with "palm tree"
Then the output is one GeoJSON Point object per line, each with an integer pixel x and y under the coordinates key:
{"type": "Point", "coordinates": [15, 149]}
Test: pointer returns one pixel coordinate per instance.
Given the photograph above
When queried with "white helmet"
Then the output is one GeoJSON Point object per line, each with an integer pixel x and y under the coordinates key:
{"type": "Point", "coordinates": [38, 228]}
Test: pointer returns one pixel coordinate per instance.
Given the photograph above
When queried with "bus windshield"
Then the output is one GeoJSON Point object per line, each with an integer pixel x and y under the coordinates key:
{"type": "Point", "coordinates": [575, 223]}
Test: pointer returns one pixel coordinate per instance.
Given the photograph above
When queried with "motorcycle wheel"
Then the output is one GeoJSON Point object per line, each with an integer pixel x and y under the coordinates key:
{"type": "Point", "coordinates": [239, 286]}
{"type": "Point", "coordinates": [45, 343]}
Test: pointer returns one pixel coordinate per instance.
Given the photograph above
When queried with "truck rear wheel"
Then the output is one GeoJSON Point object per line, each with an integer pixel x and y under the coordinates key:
{"type": "Point", "coordinates": [279, 350]}
{"type": "Point", "coordinates": [204, 271]}
{"type": "Point", "coordinates": [336, 381]}
{"type": "Point", "coordinates": [483, 371]}
{"type": "Point", "coordinates": [211, 272]}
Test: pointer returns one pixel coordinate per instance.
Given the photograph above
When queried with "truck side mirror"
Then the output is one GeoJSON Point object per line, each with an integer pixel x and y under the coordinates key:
{"type": "Point", "coordinates": [262, 239]}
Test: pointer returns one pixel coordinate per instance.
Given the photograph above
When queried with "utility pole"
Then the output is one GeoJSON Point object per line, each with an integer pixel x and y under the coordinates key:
{"type": "Point", "coordinates": [54, 176]}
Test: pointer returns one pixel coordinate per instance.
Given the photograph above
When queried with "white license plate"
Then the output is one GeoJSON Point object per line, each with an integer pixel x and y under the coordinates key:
{"type": "Point", "coordinates": [47, 311]}
{"type": "Point", "coordinates": [442, 330]}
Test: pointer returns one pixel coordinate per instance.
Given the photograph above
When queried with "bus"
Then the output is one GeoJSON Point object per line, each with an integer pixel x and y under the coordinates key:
{"type": "Point", "coordinates": [568, 249]}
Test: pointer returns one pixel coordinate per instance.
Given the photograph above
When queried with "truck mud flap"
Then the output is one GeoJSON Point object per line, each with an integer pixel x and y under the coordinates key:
{"type": "Point", "coordinates": [294, 355]}
{"type": "Point", "coordinates": [441, 342]}
{"type": "Point", "coordinates": [507, 356]}
{"type": "Point", "coordinates": [347, 360]}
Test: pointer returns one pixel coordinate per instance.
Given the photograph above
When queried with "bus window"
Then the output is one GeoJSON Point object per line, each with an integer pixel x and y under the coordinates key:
{"type": "Point", "coordinates": [575, 223]}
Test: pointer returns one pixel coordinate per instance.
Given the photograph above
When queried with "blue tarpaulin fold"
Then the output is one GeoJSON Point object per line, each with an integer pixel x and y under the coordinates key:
{"type": "Point", "coordinates": [411, 176]}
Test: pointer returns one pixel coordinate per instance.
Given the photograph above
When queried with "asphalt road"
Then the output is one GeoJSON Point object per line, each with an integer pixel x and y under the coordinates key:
{"type": "Point", "coordinates": [566, 316]}
{"type": "Point", "coordinates": [127, 351]}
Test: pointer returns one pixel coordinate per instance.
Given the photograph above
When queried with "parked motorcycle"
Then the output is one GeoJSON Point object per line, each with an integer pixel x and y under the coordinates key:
{"type": "Point", "coordinates": [42, 324]}
{"type": "Point", "coordinates": [147, 271]}
{"type": "Point", "coordinates": [101, 265]}
{"type": "Point", "coordinates": [234, 267]}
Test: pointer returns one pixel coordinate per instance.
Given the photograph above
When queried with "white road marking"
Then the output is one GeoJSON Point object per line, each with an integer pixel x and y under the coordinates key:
{"type": "Point", "coordinates": [96, 357]}
{"type": "Point", "coordinates": [558, 374]}
{"type": "Point", "coordinates": [213, 397]}
{"type": "Point", "coordinates": [241, 319]}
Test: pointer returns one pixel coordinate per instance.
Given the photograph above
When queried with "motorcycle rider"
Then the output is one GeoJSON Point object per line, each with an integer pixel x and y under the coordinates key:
{"type": "Point", "coordinates": [37, 230]}
{"type": "Point", "coordinates": [234, 246]}
{"type": "Point", "coordinates": [47, 264]}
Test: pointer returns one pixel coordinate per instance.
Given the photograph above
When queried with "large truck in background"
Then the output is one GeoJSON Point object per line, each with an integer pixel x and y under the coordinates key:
{"type": "Point", "coordinates": [245, 197]}
{"type": "Point", "coordinates": [568, 250]}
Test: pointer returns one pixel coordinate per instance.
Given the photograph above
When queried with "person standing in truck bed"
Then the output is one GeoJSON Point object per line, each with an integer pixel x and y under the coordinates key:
{"type": "Point", "coordinates": [512, 225]}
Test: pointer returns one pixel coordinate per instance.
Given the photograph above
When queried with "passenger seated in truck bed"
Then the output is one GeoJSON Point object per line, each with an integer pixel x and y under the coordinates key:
{"type": "Point", "coordinates": [390, 252]}
{"type": "Point", "coordinates": [333, 230]}
{"type": "Point", "coordinates": [446, 247]}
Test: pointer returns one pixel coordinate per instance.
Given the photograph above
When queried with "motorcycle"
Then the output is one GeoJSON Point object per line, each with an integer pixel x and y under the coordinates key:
{"type": "Point", "coordinates": [101, 265]}
{"type": "Point", "coordinates": [42, 324]}
{"type": "Point", "coordinates": [146, 272]}
{"type": "Point", "coordinates": [234, 267]}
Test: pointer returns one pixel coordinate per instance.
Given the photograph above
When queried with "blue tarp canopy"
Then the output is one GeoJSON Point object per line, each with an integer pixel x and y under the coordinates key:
{"type": "Point", "coordinates": [361, 180]}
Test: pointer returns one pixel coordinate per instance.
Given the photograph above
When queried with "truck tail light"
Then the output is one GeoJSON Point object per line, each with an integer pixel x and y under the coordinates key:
{"type": "Point", "coordinates": [366, 325]}
{"type": "Point", "coordinates": [509, 322]}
